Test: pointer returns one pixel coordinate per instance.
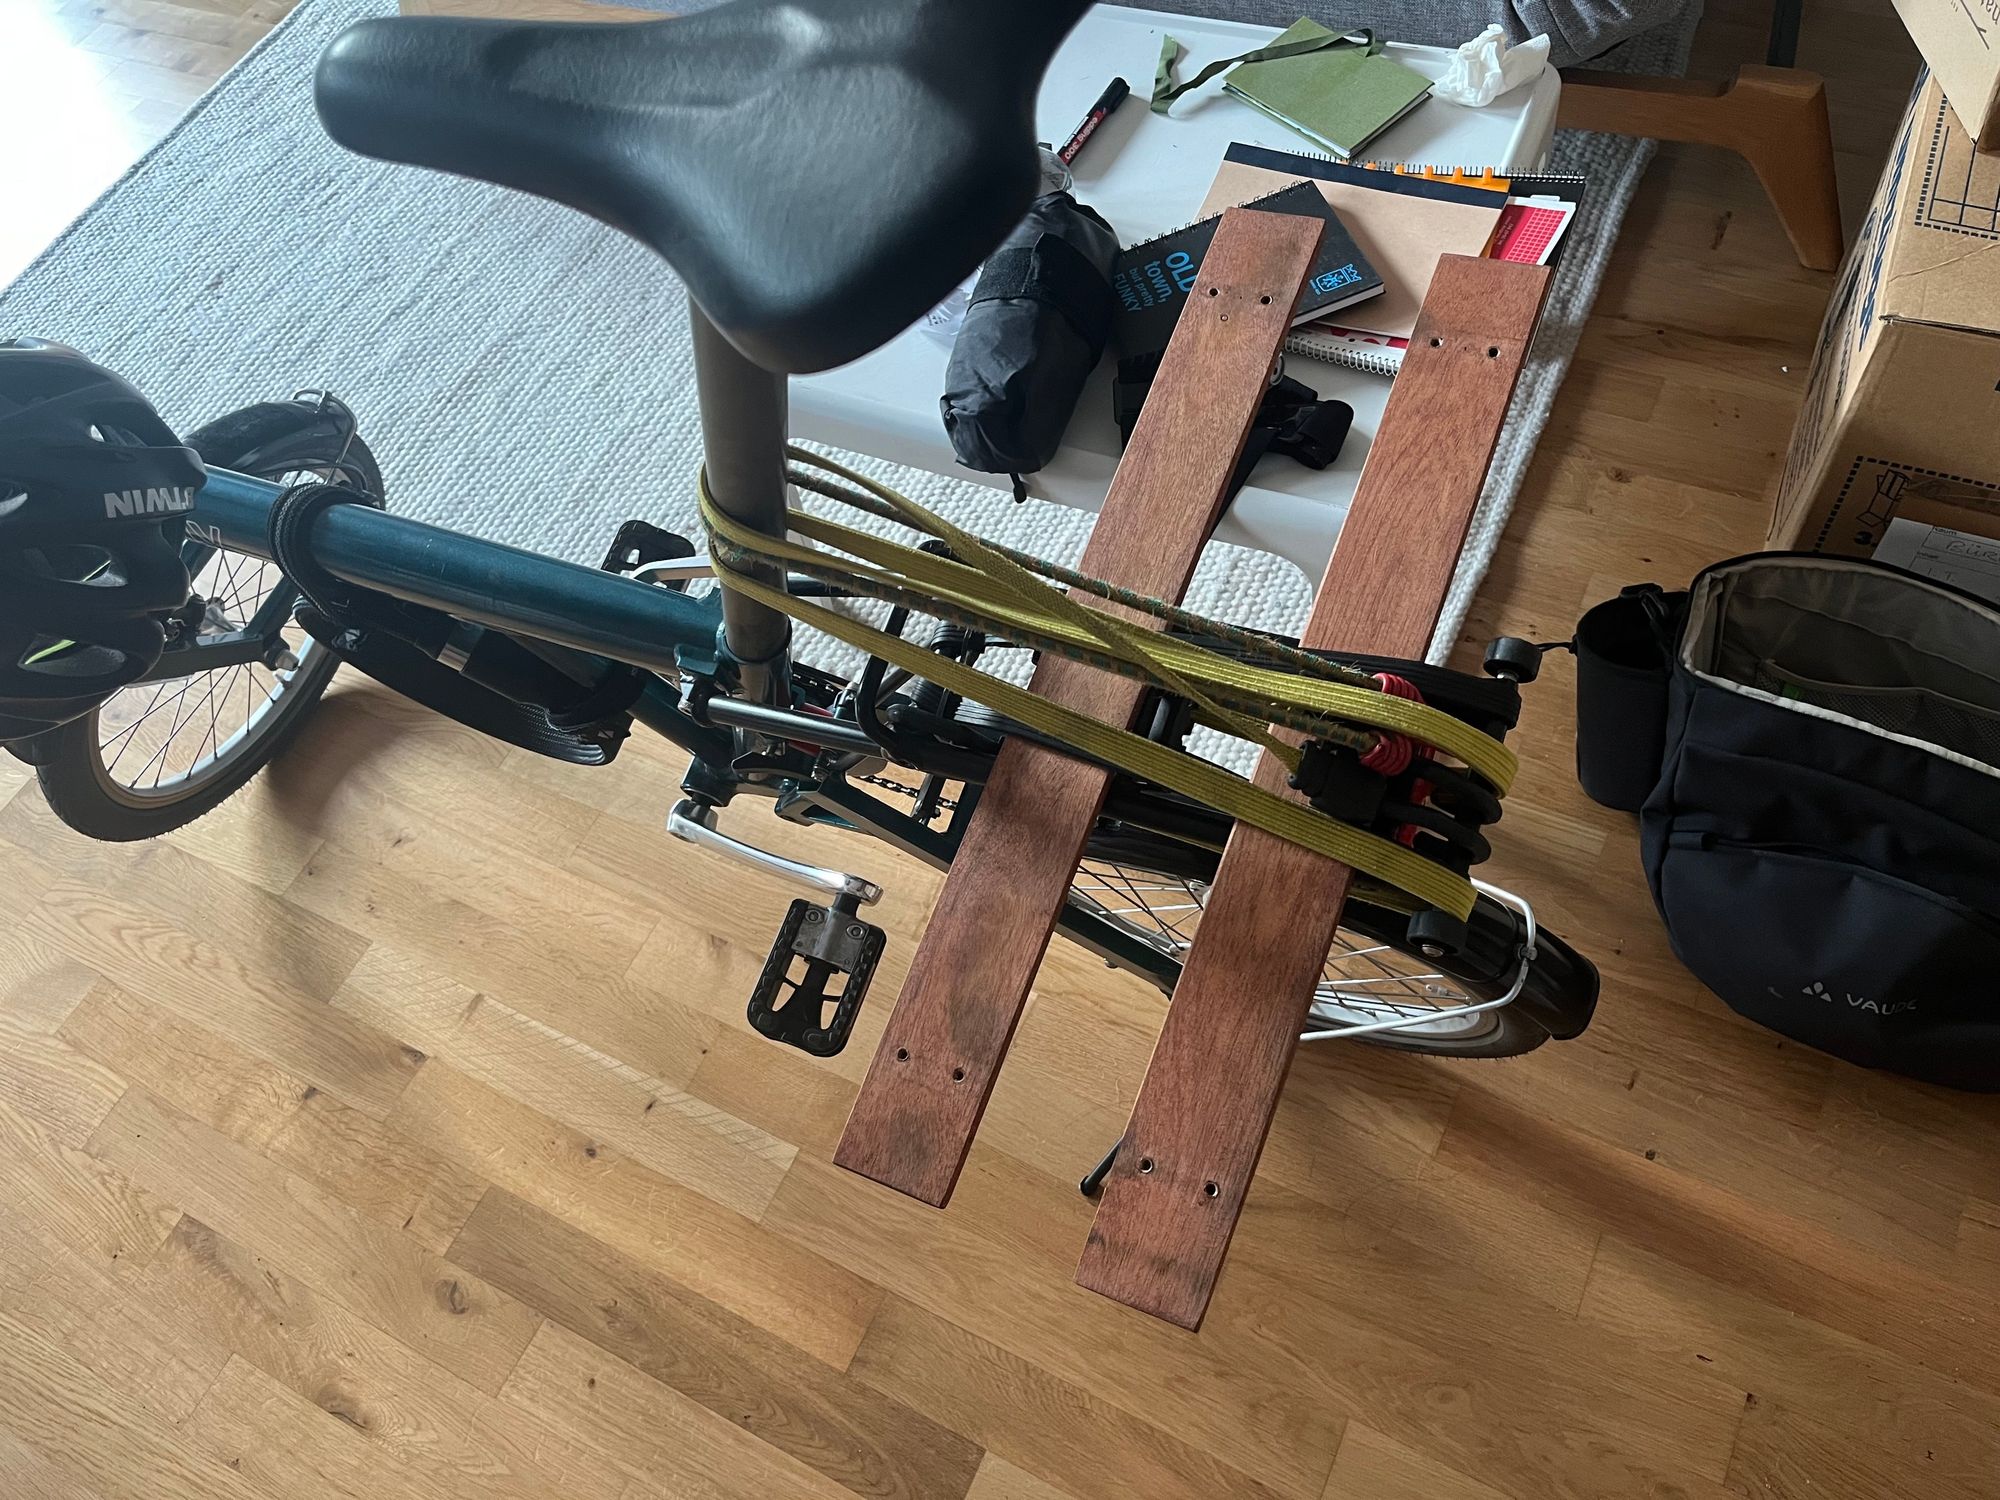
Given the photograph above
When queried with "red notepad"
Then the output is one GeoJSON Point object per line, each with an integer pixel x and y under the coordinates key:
{"type": "Point", "coordinates": [1529, 230]}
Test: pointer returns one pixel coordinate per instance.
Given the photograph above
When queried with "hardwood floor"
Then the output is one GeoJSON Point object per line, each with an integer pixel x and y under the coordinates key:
{"type": "Point", "coordinates": [395, 1131]}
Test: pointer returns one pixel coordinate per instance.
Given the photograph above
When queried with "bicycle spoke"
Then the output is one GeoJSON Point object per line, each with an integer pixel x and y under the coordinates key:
{"type": "Point", "coordinates": [185, 684]}
{"type": "Point", "coordinates": [155, 741]}
{"type": "Point", "coordinates": [174, 733]}
{"type": "Point", "coordinates": [1359, 983]}
{"type": "Point", "coordinates": [1389, 979]}
{"type": "Point", "coordinates": [144, 714]}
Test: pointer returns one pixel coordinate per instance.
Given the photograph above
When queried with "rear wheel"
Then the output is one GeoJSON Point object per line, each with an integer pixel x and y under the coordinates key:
{"type": "Point", "coordinates": [1511, 986]}
{"type": "Point", "coordinates": [157, 755]}
{"type": "Point", "coordinates": [1505, 993]}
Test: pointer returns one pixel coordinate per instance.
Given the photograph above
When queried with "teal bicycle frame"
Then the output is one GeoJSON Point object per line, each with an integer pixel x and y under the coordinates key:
{"type": "Point", "coordinates": [501, 587]}
{"type": "Point", "coordinates": [743, 409]}
{"type": "Point", "coordinates": [671, 634]}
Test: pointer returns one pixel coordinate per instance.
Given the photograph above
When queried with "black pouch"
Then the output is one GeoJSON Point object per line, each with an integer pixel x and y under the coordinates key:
{"type": "Point", "coordinates": [1622, 649]}
{"type": "Point", "coordinates": [1822, 833]}
{"type": "Point", "coordinates": [1036, 326]}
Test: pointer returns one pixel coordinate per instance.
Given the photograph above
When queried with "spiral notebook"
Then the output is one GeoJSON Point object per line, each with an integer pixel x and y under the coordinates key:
{"type": "Point", "coordinates": [1403, 219]}
{"type": "Point", "coordinates": [1152, 280]}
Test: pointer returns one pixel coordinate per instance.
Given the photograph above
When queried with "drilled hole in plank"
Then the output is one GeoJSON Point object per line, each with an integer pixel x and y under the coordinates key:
{"type": "Point", "coordinates": [902, 1054]}
{"type": "Point", "coordinates": [1145, 1164]}
{"type": "Point", "coordinates": [1210, 1190]}
{"type": "Point", "coordinates": [958, 1075]}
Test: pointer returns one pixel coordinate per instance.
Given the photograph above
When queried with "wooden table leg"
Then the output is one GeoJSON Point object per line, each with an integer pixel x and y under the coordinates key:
{"type": "Point", "coordinates": [1171, 1202]}
{"type": "Point", "coordinates": [914, 1119]}
{"type": "Point", "coordinates": [1774, 118]}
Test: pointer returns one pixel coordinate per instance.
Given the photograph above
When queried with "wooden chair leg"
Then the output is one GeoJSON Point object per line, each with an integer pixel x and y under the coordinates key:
{"type": "Point", "coordinates": [1788, 140]}
{"type": "Point", "coordinates": [1774, 118]}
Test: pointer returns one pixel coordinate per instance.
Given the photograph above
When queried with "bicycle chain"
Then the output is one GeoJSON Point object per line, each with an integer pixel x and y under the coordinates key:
{"type": "Point", "coordinates": [945, 804]}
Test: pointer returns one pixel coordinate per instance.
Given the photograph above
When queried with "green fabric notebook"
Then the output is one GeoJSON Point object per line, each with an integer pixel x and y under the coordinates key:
{"type": "Point", "coordinates": [1340, 98]}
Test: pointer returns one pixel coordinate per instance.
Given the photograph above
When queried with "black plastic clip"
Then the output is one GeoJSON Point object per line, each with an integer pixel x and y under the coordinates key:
{"type": "Point", "coordinates": [1165, 719]}
{"type": "Point", "coordinates": [640, 542]}
{"type": "Point", "coordinates": [791, 1000]}
{"type": "Point", "coordinates": [1333, 780]}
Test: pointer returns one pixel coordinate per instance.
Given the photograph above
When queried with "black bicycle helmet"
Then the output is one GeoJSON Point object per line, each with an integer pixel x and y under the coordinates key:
{"type": "Point", "coordinates": [93, 486]}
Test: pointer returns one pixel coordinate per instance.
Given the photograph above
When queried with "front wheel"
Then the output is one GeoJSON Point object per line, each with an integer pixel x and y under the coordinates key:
{"type": "Point", "coordinates": [159, 754]}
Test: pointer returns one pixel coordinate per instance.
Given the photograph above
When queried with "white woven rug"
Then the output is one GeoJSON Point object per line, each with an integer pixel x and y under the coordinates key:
{"type": "Point", "coordinates": [523, 372]}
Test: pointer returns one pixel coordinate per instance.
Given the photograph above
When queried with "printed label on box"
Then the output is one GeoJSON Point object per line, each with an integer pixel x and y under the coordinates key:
{"type": "Point", "coordinates": [1958, 558]}
{"type": "Point", "coordinates": [1877, 489]}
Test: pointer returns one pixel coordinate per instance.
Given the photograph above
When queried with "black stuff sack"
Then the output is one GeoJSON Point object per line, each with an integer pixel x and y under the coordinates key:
{"type": "Point", "coordinates": [1037, 323]}
{"type": "Point", "coordinates": [1818, 740]}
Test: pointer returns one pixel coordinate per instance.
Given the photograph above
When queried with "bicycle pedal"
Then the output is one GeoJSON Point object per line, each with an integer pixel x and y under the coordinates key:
{"type": "Point", "coordinates": [815, 945]}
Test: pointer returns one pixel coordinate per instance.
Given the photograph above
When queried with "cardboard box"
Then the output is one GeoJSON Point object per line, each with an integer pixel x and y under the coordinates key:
{"type": "Point", "coordinates": [1898, 441]}
{"type": "Point", "coordinates": [1960, 39]}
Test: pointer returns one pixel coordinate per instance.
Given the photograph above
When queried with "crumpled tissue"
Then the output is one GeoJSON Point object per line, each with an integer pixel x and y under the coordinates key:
{"type": "Point", "coordinates": [1486, 67]}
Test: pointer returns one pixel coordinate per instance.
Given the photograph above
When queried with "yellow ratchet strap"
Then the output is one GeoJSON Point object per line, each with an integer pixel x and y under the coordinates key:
{"type": "Point", "coordinates": [989, 590]}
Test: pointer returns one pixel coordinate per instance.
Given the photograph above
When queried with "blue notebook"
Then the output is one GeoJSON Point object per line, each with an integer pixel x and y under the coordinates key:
{"type": "Point", "coordinates": [1153, 279]}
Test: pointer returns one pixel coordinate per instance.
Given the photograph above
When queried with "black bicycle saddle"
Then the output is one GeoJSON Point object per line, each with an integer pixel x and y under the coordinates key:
{"type": "Point", "coordinates": [819, 172]}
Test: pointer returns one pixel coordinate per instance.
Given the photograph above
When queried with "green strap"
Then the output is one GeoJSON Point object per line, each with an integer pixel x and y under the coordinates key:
{"type": "Point", "coordinates": [1163, 74]}
{"type": "Point", "coordinates": [1166, 90]}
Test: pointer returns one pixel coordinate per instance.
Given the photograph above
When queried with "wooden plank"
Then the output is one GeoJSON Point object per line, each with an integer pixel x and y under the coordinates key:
{"type": "Point", "coordinates": [921, 1102]}
{"type": "Point", "coordinates": [1705, 1318]}
{"type": "Point", "coordinates": [1059, 1432]}
{"type": "Point", "coordinates": [709, 1249]}
{"type": "Point", "coordinates": [208, 1078]}
{"type": "Point", "coordinates": [41, 1073]}
{"type": "Point", "coordinates": [1786, 1453]}
{"type": "Point", "coordinates": [1172, 1201]}
{"type": "Point", "coordinates": [995, 1266]}
{"type": "Point", "coordinates": [420, 1424]}
{"type": "Point", "coordinates": [380, 1275]}
{"type": "Point", "coordinates": [1370, 1466]}
{"type": "Point", "coordinates": [98, 1434]}
{"type": "Point", "coordinates": [282, 1444]}
{"type": "Point", "coordinates": [271, 936]}
{"type": "Point", "coordinates": [677, 1447]}
{"type": "Point", "coordinates": [1000, 1480]}
{"type": "Point", "coordinates": [767, 1385]}
{"type": "Point", "coordinates": [128, 1342]}
{"type": "Point", "coordinates": [647, 1119]}
{"type": "Point", "coordinates": [26, 1475]}
{"type": "Point", "coordinates": [210, 984]}
{"type": "Point", "coordinates": [94, 1208]}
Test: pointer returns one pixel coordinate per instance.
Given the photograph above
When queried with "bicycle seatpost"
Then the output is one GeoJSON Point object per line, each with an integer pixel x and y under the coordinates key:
{"type": "Point", "coordinates": [743, 427]}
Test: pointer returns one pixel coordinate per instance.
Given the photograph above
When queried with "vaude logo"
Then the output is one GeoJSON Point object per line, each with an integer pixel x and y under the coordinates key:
{"type": "Point", "coordinates": [156, 502]}
{"type": "Point", "coordinates": [1818, 991]}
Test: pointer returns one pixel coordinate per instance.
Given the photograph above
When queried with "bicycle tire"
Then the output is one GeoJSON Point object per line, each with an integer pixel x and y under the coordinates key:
{"type": "Point", "coordinates": [269, 440]}
{"type": "Point", "coordinates": [1558, 993]}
